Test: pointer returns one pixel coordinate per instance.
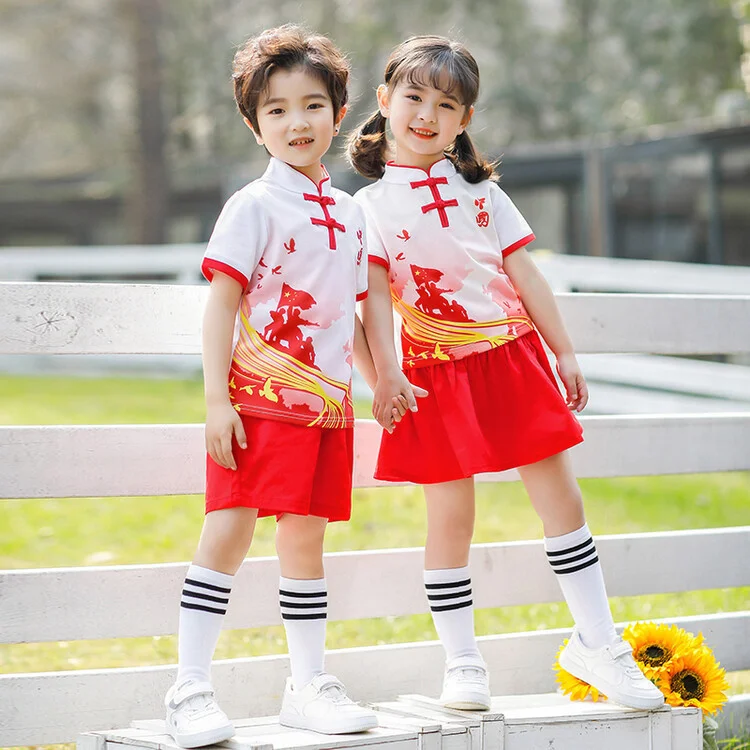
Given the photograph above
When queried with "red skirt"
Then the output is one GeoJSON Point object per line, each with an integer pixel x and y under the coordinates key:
{"type": "Point", "coordinates": [487, 412]}
{"type": "Point", "coordinates": [286, 468]}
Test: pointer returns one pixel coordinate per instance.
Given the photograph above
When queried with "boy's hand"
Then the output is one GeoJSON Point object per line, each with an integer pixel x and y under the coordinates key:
{"type": "Point", "coordinates": [394, 396]}
{"type": "Point", "coordinates": [576, 390]}
{"type": "Point", "coordinates": [223, 422]}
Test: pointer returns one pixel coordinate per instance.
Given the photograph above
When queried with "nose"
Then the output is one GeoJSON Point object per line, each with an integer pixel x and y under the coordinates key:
{"type": "Point", "coordinates": [299, 123]}
{"type": "Point", "coordinates": [427, 113]}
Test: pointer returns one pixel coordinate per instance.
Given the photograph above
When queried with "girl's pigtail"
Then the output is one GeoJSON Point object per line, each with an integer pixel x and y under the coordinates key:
{"type": "Point", "coordinates": [367, 147]}
{"type": "Point", "coordinates": [469, 164]}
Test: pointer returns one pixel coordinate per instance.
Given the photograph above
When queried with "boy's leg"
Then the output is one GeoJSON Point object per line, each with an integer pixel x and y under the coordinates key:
{"type": "Point", "coordinates": [312, 699]}
{"type": "Point", "coordinates": [447, 578]}
{"type": "Point", "coordinates": [193, 717]}
{"type": "Point", "coordinates": [595, 653]}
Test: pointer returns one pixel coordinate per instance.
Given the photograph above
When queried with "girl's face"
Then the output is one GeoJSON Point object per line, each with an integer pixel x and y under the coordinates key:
{"type": "Point", "coordinates": [424, 121]}
{"type": "Point", "coordinates": [296, 122]}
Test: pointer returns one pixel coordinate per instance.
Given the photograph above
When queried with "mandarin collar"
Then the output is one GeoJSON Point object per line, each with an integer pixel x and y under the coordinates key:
{"type": "Point", "coordinates": [405, 174]}
{"type": "Point", "coordinates": [281, 174]}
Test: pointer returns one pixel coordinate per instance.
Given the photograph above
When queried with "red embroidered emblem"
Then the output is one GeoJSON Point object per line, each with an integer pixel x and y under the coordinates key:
{"type": "Point", "coordinates": [483, 219]}
{"type": "Point", "coordinates": [404, 236]}
{"type": "Point", "coordinates": [359, 256]}
{"type": "Point", "coordinates": [290, 246]}
{"type": "Point", "coordinates": [479, 203]}
{"type": "Point", "coordinates": [400, 256]}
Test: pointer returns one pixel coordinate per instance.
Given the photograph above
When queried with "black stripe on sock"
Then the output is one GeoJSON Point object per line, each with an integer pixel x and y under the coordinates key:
{"type": "Point", "coordinates": [571, 549]}
{"type": "Point", "coordinates": [451, 585]}
{"type": "Point", "coordinates": [207, 597]}
{"type": "Point", "coordinates": [456, 595]}
{"type": "Point", "coordinates": [220, 589]}
{"type": "Point", "coordinates": [576, 558]}
{"type": "Point", "coordinates": [303, 605]}
{"type": "Point", "coordinates": [318, 616]}
{"type": "Point", "coordinates": [202, 608]}
{"type": "Point", "coordinates": [577, 568]}
{"type": "Point", "coordinates": [448, 607]}
{"type": "Point", "coordinates": [302, 594]}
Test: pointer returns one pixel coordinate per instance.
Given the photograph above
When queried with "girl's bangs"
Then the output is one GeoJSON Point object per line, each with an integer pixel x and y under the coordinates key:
{"type": "Point", "coordinates": [442, 72]}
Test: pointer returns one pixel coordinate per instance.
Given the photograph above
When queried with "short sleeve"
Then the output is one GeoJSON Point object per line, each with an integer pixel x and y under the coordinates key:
{"type": "Point", "coordinates": [361, 256]}
{"type": "Point", "coordinates": [512, 229]}
{"type": "Point", "coordinates": [376, 252]}
{"type": "Point", "coordinates": [238, 240]}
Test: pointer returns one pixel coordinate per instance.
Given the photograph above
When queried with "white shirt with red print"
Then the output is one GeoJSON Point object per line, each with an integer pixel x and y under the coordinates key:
{"type": "Point", "coordinates": [443, 241]}
{"type": "Point", "coordinates": [297, 249]}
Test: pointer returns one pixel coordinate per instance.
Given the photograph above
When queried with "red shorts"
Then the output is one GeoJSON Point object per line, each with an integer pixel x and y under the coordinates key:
{"type": "Point", "coordinates": [487, 412]}
{"type": "Point", "coordinates": [286, 468]}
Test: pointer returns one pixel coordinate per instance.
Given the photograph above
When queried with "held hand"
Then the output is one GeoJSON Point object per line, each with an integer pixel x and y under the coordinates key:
{"type": "Point", "coordinates": [223, 422]}
{"type": "Point", "coordinates": [576, 390]}
{"type": "Point", "coordinates": [394, 396]}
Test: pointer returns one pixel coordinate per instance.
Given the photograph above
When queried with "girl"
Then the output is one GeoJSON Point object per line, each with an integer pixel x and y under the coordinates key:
{"type": "Point", "coordinates": [447, 247]}
{"type": "Point", "coordinates": [280, 393]}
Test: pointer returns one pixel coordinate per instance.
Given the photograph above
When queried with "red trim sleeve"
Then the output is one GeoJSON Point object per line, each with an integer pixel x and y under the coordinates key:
{"type": "Point", "coordinates": [210, 265]}
{"type": "Point", "coordinates": [380, 261]}
{"type": "Point", "coordinates": [362, 295]}
{"type": "Point", "coordinates": [518, 244]}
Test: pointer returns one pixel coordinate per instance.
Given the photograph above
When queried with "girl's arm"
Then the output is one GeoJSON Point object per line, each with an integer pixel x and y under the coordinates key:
{"type": "Point", "coordinates": [362, 355]}
{"type": "Point", "coordinates": [222, 421]}
{"type": "Point", "coordinates": [539, 300]}
{"type": "Point", "coordinates": [393, 392]}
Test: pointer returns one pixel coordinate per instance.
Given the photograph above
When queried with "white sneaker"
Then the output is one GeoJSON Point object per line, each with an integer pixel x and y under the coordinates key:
{"type": "Point", "coordinates": [613, 671]}
{"type": "Point", "coordinates": [193, 717]}
{"type": "Point", "coordinates": [466, 684]}
{"type": "Point", "coordinates": [323, 706]}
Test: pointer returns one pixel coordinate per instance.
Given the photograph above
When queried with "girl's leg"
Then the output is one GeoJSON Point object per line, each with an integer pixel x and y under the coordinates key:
{"type": "Point", "coordinates": [450, 527]}
{"type": "Point", "coordinates": [556, 497]}
{"type": "Point", "coordinates": [223, 544]}
{"type": "Point", "coordinates": [302, 593]}
{"type": "Point", "coordinates": [447, 578]}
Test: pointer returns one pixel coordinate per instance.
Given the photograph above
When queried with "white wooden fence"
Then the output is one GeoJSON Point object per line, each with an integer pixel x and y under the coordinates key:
{"type": "Point", "coordinates": [137, 600]}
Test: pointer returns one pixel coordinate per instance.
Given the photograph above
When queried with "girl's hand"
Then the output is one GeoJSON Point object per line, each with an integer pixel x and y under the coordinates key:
{"type": "Point", "coordinates": [223, 422]}
{"type": "Point", "coordinates": [576, 390]}
{"type": "Point", "coordinates": [394, 396]}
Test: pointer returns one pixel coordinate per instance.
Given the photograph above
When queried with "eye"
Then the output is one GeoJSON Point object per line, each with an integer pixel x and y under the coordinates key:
{"type": "Point", "coordinates": [315, 105]}
{"type": "Point", "coordinates": [276, 111]}
{"type": "Point", "coordinates": [447, 105]}
{"type": "Point", "coordinates": [413, 97]}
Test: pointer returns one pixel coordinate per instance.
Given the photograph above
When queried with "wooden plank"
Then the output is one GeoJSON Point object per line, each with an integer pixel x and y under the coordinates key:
{"type": "Point", "coordinates": [163, 319]}
{"type": "Point", "coordinates": [117, 601]}
{"type": "Point", "coordinates": [55, 707]}
{"type": "Point", "coordinates": [735, 717]}
{"type": "Point", "coordinates": [138, 460]}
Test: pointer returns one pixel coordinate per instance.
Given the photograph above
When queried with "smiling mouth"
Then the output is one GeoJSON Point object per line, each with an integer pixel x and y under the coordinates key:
{"type": "Point", "coordinates": [421, 133]}
{"type": "Point", "coordinates": [301, 142]}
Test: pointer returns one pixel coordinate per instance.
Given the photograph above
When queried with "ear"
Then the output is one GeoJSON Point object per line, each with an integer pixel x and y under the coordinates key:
{"type": "Point", "coordinates": [467, 119]}
{"type": "Point", "coordinates": [337, 123]}
{"type": "Point", "coordinates": [258, 136]}
{"type": "Point", "coordinates": [384, 100]}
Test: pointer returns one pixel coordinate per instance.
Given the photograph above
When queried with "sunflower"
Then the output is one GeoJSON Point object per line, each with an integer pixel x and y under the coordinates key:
{"type": "Point", "coordinates": [578, 690]}
{"type": "Point", "coordinates": [695, 678]}
{"type": "Point", "coordinates": [654, 645]}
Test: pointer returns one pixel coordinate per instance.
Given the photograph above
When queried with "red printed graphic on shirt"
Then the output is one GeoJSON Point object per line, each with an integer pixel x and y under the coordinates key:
{"type": "Point", "coordinates": [430, 297]}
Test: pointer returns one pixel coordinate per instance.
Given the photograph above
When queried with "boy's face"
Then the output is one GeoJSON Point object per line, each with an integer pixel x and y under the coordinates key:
{"type": "Point", "coordinates": [296, 122]}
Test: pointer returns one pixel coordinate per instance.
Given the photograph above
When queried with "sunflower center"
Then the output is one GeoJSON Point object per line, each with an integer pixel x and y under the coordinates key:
{"type": "Point", "coordinates": [688, 684]}
{"type": "Point", "coordinates": [653, 655]}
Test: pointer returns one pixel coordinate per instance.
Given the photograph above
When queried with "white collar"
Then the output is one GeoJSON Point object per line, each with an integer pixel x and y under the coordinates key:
{"type": "Point", "coordinates": [403, 174]}
{"type": "Point", "coordinates": [283, 175]}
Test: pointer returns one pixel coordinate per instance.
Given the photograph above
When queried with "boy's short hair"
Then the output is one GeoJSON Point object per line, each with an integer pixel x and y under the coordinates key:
{"type": "Point", "coordinates": [285, 48]}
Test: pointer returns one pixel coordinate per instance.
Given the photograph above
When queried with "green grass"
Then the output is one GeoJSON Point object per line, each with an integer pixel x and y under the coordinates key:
{"type": "Point", "coordinates": [71, 532]}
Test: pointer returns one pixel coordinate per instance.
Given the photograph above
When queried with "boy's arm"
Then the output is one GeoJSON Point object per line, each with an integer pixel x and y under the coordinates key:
{"type": "Point", "coordinates": [393, 392]}
{"type": "Point", "coordinates": [222, 421]}
{"type": "Point", "coordinates": [539, 301]}
{"type": "Point", "coordinates": [363, 356]}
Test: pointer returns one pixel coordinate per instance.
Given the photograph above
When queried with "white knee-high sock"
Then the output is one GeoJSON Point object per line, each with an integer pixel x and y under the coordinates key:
{"type": "Point", "coordinates": [205, 598]}
{"type": "Point", "coordinates": [304, 608]}
{"type": "Point", "coordinates": [574, 560]}
{"type": "Point", "coordinates": [452, 607]}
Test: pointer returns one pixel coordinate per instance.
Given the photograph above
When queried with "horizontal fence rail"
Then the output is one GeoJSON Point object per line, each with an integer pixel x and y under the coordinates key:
{"type": "Point", "coordinates": [56, 707]}
{"type": "Point", "coordinates": [138, 460]}
{"type": "Point", "coordinates": [60, 318]}
{"type": "Point", "coordinates": [117, 601]}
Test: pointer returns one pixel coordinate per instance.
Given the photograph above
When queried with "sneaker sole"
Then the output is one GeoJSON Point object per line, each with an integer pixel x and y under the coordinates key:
{"type": "Point", "coordinates": [201, 739]}
{"type": "Point", "coordinates": [467, 705]}
{"type": "Point", "coordinates": [613, 695]}
{"type": "Point", "coordinates": [350, 727]}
